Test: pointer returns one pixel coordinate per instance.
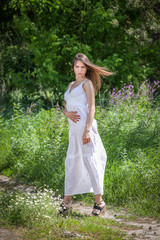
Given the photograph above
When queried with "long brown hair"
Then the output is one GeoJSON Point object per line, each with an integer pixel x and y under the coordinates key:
{"type": "Point", "coordinates": [93, 71]}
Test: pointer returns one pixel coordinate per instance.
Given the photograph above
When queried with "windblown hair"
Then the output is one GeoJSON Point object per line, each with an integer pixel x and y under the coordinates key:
{"type": "Point", "coordinates": [94, 72]}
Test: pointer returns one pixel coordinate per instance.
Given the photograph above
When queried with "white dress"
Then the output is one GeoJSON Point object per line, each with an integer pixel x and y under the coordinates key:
{"type": "Point", "coordinates": [84, 164]}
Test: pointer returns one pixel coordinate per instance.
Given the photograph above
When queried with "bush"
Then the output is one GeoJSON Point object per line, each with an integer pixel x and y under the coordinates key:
{"type": "Point", "coordinates": [130, 133]}
{"type": "Point", "coordinates": [35, 145]}
{"type": "Point", "coordinates": [26, 209]}
{"type": "Point", "coordinates": [38, 145]}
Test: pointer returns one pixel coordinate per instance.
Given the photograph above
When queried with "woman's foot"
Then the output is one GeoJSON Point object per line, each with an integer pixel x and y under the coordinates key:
{"type": "Point", "coordinates": [65, 208]}
{"type": "Point", "coordinates": [98, 209]}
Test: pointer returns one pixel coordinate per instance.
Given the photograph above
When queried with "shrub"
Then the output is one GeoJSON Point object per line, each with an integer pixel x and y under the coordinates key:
{"type": "Point", "coordinates": [35, 145]}
{"type": "Point", "coordinates": [26, 209]}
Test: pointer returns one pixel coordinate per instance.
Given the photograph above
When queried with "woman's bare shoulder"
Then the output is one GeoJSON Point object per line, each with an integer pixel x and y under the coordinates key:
{"type": "Point", "coordinates": [69, 85]}
{"type": "Point", "coordinates": [88, 83]}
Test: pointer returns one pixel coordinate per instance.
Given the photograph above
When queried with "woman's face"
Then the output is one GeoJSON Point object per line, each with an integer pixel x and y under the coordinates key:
{"type": "Point", "coordinates": [80, 69]}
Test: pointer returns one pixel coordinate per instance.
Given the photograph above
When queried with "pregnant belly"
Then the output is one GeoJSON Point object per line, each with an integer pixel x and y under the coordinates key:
{"type": "Point", "coordinates": [83, 112]}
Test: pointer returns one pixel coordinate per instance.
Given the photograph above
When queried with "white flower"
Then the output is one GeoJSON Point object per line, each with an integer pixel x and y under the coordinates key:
{"type": "Point", "coordinates": [115, 23]}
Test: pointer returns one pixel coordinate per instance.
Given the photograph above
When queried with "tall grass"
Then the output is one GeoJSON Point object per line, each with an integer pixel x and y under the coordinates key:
{"type": "Point", "coordinates": [38, 213]}
{"type": "Point", "coordinates": [33, 148]}
{"type": "Point", "coordinates": [24, 209]}
{"type": "Point", "coordinates": [130, 131]}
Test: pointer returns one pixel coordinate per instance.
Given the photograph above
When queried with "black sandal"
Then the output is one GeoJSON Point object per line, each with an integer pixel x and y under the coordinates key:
{"type": "Point", "coordinates": [101, 210]}
{"type": "Point", "coordinates": [65, 209]}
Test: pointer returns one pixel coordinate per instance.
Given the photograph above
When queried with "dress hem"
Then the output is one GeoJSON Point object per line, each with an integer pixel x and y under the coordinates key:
{"type": "Point", "coordinates": [75, 193]}
{"type": "Point", "coordinates": [82, 193]}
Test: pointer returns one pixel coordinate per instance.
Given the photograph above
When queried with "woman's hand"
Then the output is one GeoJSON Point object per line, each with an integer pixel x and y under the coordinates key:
{"type": "Point", "coordinates": [86, 137]}
{"type": "Point", "coordinates": [73, 116]}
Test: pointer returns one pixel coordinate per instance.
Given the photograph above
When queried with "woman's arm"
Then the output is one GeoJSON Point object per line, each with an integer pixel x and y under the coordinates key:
{"type": "Point", "coordinates": [90, 94]}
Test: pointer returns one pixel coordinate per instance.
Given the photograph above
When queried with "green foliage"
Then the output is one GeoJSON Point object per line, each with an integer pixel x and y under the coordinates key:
{"type": "Point", "coordinates": [38, 145]}
{"type": "Point", "coordinates": [40, 38]}
{"type": "Point", "coordinates": [130, 133]}
{"type": "Point", "coordinates": [27, 208]}
{"type": "Point", "coordinates": [34, 146]}
{"type": "Point", "coordinates": [37, 212]}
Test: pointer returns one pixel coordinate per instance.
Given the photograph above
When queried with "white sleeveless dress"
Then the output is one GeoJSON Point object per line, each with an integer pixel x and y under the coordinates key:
{"type": "Point", "coordinates": [84, 164]}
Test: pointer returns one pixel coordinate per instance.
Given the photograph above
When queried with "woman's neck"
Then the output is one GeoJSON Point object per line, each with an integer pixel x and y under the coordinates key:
{"type": "Point", "coordinates": [79, 79]}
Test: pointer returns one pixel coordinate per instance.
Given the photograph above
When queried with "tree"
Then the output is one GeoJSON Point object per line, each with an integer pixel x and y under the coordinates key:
{"type": "Point", "coordinates": [39, 39]}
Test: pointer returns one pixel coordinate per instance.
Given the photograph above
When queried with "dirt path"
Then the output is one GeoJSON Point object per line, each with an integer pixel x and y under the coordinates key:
{"type": "Point", "coordinates": [145, 228]}
{"type": "Point", "coordinates": [11, 234]}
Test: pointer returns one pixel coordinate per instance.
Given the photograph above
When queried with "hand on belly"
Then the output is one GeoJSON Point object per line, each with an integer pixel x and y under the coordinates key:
{"type": "Point", "coordinates": [73, 116]}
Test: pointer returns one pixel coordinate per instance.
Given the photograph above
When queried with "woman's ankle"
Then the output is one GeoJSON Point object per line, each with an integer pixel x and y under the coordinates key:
{"type": "Point", "coordinates": [67, 199]}
{"type": "Point", "coordinates": [98, 198]}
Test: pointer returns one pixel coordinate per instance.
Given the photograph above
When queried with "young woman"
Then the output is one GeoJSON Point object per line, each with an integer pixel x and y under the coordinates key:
{"type": "Point", "coordinates": [86, 156]}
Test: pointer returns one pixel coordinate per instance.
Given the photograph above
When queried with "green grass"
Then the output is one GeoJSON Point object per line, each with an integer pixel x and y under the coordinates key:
{"type": "Point", "coordinates": [86, 227]}
{"type": "Point", "coordinates": [38, 214]}
{"type": "Point", "coordinates": [33, 148]}
{"type": "Point", "coordinates": [126, 217]}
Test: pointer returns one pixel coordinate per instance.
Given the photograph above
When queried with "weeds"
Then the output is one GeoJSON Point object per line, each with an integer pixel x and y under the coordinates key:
{"type": "Point", "coordinates": [38, 212]}
{"type": "Point", "coordinates": [23, 209]}
{"type": "Point", "coordinates": [33, 148]}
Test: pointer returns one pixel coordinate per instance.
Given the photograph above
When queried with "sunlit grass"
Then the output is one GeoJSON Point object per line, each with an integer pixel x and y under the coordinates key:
{"type": "Point", "coordinates": [23, 208]}
{"type": "Point", "coordinates": [33, 148]}
{"type": "Point", "coordinates": [38, 213]}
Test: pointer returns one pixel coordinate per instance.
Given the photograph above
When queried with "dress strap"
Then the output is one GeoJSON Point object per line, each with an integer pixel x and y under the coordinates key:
{"type": "Point", "coordinates": [83, 81]}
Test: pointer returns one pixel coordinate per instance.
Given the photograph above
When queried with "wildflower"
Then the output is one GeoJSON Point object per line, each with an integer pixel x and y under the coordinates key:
{"type": "Point", "coordinates": [155, 83]}
{"type": "Point", "coordinates": [115, 23]}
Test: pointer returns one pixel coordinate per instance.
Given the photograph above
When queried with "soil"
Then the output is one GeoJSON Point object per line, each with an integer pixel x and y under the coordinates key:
{"type": "Point", "coordinates": [141, 228]}
{"type": "Point", "coordinates": [11, 234]}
